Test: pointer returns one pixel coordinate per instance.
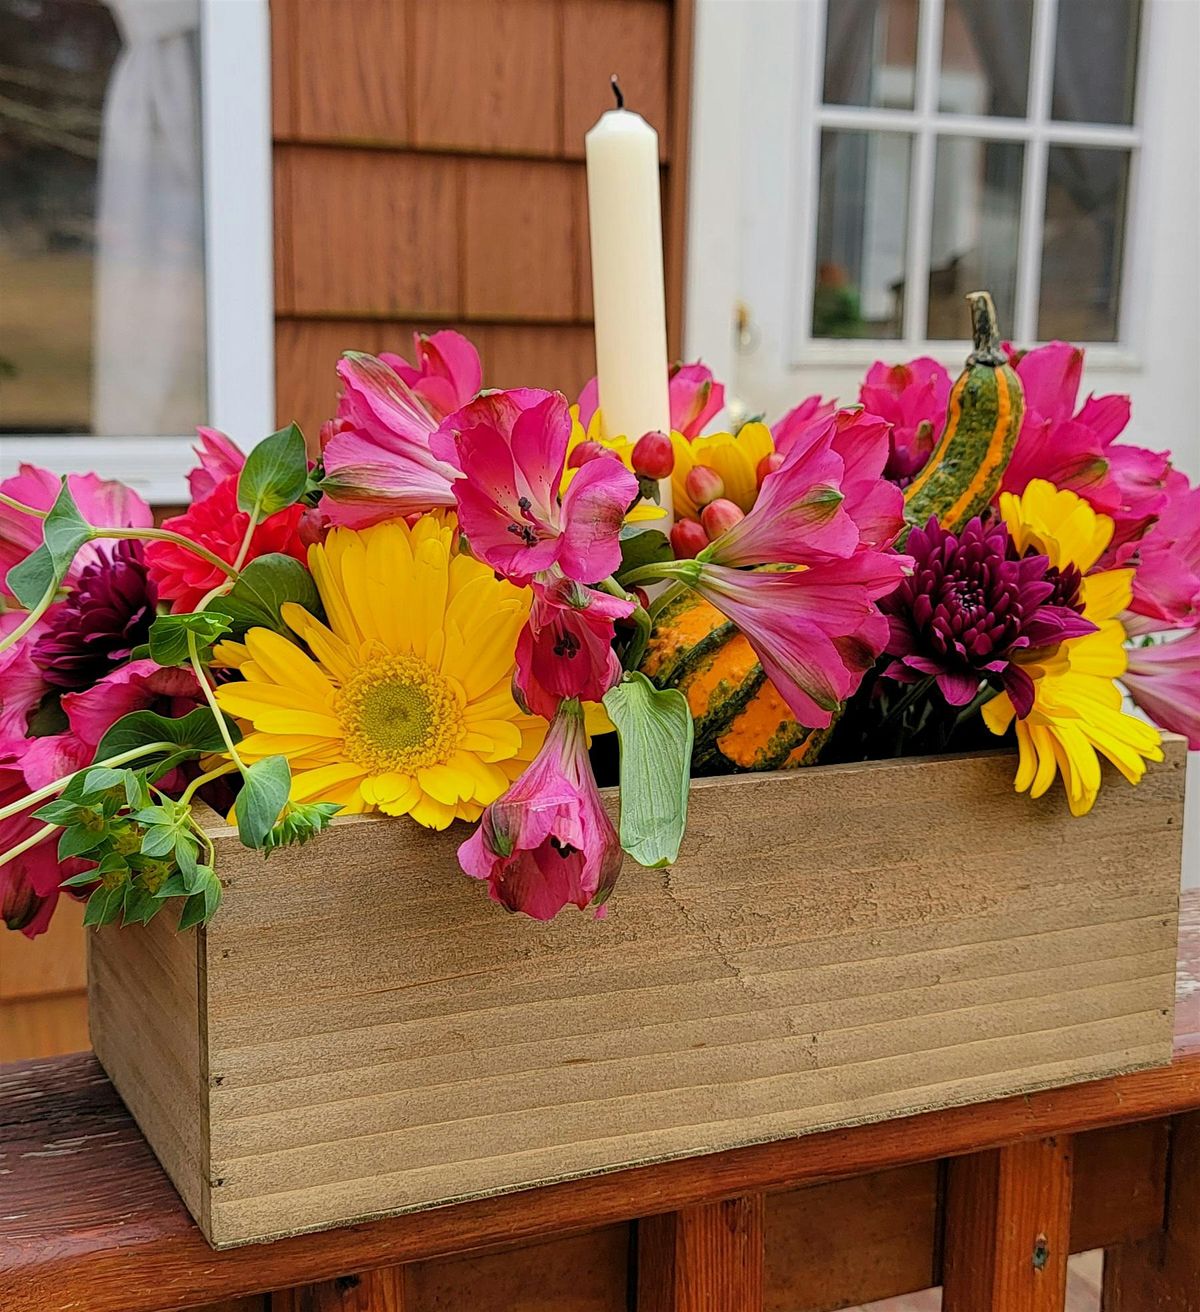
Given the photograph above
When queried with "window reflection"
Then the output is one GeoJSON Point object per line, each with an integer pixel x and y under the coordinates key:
{"type": "Point", "coordinates": [101, 212]}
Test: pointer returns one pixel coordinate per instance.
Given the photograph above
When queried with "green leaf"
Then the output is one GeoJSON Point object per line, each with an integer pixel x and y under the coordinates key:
{"type": "Point", "coordinates": [193, 733]}
{"type": "Point", "coordinates": [78, 840]}
{"type": "Point", "coordinates": [275, 474]}
{"type": "Point", "coordinates": [645, 546]}
{"type": "Point", "coordinates": [264, 794]}
{"type": "Point", "coordinates": [100, 779]}
{"type": "Point", "coordinates": [59, 812]}
{"type": "Point", "coordinates": [655, 730]}
{"type": "Point", "coordinates": [256, 600]}
{"type": "Point", "coordinates": [104, 906]}
{"type": "Point", "coordinates": [169, 636]}
{"type": "Point", "coordinates": [64, 531]}
{"type": "Point", "coordinates": [194, 910]}
{"type": "Point", "coordinates": [140, 905]}
{"type": "Point", "coordinates": [211, 893]}
{"type": "Point", "coordinates": [186, 849]}
{"type": "Point", "coordinates": [81, 880]}
{"type": "Point", "coordinates": [174, 886]}
{"type": "Point", "coordinates": [158, 841]}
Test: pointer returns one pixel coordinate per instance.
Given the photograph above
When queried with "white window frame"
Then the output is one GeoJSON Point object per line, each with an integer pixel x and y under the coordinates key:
{"type": "Point", "coordinates": [235, 93]}
{"type": "Point", "coordinates": [924, 123]}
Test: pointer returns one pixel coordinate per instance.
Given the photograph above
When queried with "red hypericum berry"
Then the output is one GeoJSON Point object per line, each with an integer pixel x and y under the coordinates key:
{"type": "Point", "coordinates": [654, 456]}
{"type": "Point", "coordinates": [586, 451]}
{"type": "Point", "coordinates": [703, 485]}
{"type": "Point", "coordinates": [719, 517]}
{"type": "Point", "coordinates": [688, 539]}
{"type": "Point", "coordinates": [768, 465]}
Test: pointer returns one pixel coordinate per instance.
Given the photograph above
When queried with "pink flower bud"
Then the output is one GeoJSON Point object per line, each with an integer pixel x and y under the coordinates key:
{"type": "Point", "coordinates": [312, 526]}
{"type": "Point", "coordinates": [586, 451]}
{"type": "Point", "coordinates": [654, 456]}
{"type": "Point", "coordinates": [719, 517]}
{"type": "Point", "coordinates": [703, 485]}
{"type": "Point", "coordinates": [768, 465]}
{"type": "Point", "coordinates": [687, 539]}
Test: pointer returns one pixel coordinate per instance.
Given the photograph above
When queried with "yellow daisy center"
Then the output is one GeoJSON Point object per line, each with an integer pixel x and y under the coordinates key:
{"type": "Point", "coordinates": [398, 713]}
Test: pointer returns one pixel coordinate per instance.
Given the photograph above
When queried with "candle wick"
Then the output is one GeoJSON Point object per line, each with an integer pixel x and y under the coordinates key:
{"type": "Point", "coordinates": [620, 95]}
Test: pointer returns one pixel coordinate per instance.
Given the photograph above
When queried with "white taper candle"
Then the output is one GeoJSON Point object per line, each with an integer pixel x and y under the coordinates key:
{"type": "Point", "coordinates": [625, 213]}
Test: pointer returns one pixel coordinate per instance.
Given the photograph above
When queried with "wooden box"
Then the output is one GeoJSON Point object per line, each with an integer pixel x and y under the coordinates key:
{"type": "Point", "coordinates": [361, 1032]}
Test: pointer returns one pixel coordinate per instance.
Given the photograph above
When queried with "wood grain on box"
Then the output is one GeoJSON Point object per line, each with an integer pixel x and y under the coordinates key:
{"type": "Point", "coordinates": [835, 946]}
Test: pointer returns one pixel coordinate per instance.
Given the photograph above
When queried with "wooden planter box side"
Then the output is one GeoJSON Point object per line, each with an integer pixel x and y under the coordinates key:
{"type": "Point", "coordinates": [361, 1032]}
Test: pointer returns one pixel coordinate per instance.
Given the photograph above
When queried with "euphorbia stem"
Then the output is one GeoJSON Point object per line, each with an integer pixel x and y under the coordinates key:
{"type": "Point", "coordinates": [218, 714]}
{"type": "Point", "coordinates": [11, 639]}
{"type": "Point", "coordinates": [32, 841]}
{"type": "Point", "coordinates": [13, 504]}
{"type": "Point", "coordinates": [50, 789]}
{"type": "Point", "coordinates": [165, 535]}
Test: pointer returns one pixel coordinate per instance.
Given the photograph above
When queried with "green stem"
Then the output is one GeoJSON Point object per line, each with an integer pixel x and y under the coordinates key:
{"type": "Point", "coordinates": [244, 550]}
{"type": "Point", "coordinates": [915, 692]}
{"type": "Point", "coordinates": [21, 508]}
{"type": "Point", "coordinates": [686, 571]}
{"type": "Point", "coordinates": [200, 780]}
{"type": "Point", "coordinates": [165, 535]}
{"type": "Point", "coordinates": [218, 714]}
{"type": "Point", "coordinates": [32, 841]}
{"type": "Point", "coordinates": [11, 639]}
{"type": "Point", "coordinates": [636, 648]}
{"type": "Point", "coordinates": [974, 706]}
{"type": "Point", "coordinates": [50, 789]}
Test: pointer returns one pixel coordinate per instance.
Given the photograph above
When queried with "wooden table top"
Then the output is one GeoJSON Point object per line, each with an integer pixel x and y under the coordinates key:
{"type": "Point", "coordinates": [89, 1221]}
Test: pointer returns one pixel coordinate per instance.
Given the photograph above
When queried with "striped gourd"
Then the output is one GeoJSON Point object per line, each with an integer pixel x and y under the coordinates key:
{"type": "Point", "coordinates": [983, 419]}
{"type": "Point", "coordinates": [741, 722]}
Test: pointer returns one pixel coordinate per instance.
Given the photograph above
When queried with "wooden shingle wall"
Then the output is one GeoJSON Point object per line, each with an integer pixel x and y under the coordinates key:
{"type": "Point", "coordinates": [429, 172]}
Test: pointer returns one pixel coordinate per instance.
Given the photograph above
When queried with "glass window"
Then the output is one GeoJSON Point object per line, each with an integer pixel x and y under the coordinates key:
{"type": "Point", "coordinates": [871, 53]}
{"type": "Point", "coordinates": [1083, 242]}
{"type": "Point", "coordinates": [101, 218]}
{"type": "Point", "coordinates": [985, 57]}
{"type": "Point", "coordinates": [862, 231]}
{"type": "Point", "coordinates": [1095, 60]}
{"type": "Point", "coordinates": [976, 221]}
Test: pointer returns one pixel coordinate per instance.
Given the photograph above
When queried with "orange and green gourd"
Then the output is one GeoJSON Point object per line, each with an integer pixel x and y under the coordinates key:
{"type": "Point", "coordinates": [741, 722]}
{"type": "Point", "coordinates": [962, 476]}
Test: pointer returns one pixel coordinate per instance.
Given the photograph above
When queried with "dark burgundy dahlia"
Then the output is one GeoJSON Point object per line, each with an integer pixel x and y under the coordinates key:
{"type": "Point", "coordinates": [969, 611]}
{"type": "Point", "coordinates": [97, 627]}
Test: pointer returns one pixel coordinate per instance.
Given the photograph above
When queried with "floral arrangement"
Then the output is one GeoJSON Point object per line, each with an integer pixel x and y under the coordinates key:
{"type": "Point", "coordinates": [447, 614]}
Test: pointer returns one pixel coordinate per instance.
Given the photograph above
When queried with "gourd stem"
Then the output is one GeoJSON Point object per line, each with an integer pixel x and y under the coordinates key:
{"type": "Point", "coordinates": [985, 330]}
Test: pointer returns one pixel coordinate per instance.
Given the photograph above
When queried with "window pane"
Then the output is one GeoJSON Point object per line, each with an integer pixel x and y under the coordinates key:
{"type": "Point", "coordinates": [871, 53]}
{"type": "Point", "coordinates": [976, 219]}
{"type": "Point", "coordinates": [1082, 247]}
{"type": "Point", "coordinates": [1095, 60]}
{"type": "Point", "coordinates": [101, 240]}
{"type": "Point", "coordinates": [862, 227]}
{"type": "Point", "coordinates": [985, 57]}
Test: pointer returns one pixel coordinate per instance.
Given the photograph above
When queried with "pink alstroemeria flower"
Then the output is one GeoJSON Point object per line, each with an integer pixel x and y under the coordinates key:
{"type": "Point", "coordinates": [1164, 680]}
{"type": "Point", "coordinates": [565, 649]}
{"type": "Point", "coordinates": [1166, 584]}
{"type": "Point", "coordinates": [510, 447]}
{"type": "Point", "coordinates": [799, 421]}
{"type": "Point", "coordinates": [100, 502]}
{"type": "Point", "coordinates": [219, 457]}
{"type": "Point", "coordinates": [1078, 449]}
{"type": "Point", "coordinates": [912, 398]}
{"type": "Point", "coordinates": [824, 502]}
{"type": "Point", "coordinates": [377, 458]}
{"type": "Point", "coordinates": [816, 631]}
{"type": "Point", "coordinates": [22, 684]}
{"type": "Point", "coordinates": [695, 398]}
{"type": "Point", "coordinates": [447, 373]}
{"type": "Point", "coordinates": [548, 842]}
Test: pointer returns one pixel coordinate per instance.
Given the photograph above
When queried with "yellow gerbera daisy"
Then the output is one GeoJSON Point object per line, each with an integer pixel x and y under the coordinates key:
{"type": "Point", "coordinates": [735, 456]}
{"type": "Point", "coordinates": [1076, 715]}
{"type": "Point", "coordinates": [405, 703]}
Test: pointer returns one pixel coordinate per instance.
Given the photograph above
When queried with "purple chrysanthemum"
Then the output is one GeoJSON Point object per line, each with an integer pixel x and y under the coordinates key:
{"type": "Point", "coordinates": [969, 608]}
{"type": "Point", "coordinates": [96, 628]}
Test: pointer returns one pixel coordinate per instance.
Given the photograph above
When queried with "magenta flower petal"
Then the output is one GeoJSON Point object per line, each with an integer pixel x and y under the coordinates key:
{"type": "Point", "coordinates": [695, 397]}
{"type": "Point", "coordinates": [565, 649]}
{"type": "Point", "coordinates": [548, 842]}
{"type": "Point", "coordinates": [219, 457]}
{"type": "Point", "coordinates": [912, 398]}
{"type": "Point", "coordinates": [1166, 584]}
{"type": "Point", "coordinates": [593, 511]}
{"type": "Point", "coordinates": [816, 631]}
{"type": "Point", "coordinates": [1050, 375]}
{"type": "Point", "coordinates": [447, 373]}
{"type": "Point", "coordinates": [1164, 680]}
